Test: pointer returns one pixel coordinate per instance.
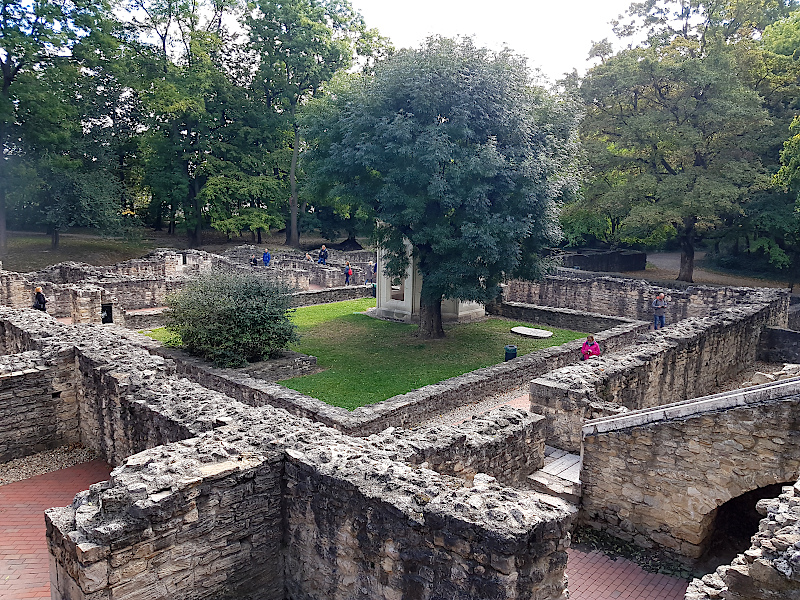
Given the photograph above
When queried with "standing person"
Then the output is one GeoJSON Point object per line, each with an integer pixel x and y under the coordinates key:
{"type": "Point", "coordinates": [590, 348]}
{"type": "Point", "coordinates": [659, 311]}
{"type": "Point", "coordinates": [323, 256]}
{"type": "Point", "coordinates": [370, 272]}
{"type": "Point", "coordinates": [348, 271]}
{"type": "Point", "coordinates": [253, 261]}
{"type": "Point", "coordinates": [266, 257]}
{"type": "Point", "coordinates": [39, 301]}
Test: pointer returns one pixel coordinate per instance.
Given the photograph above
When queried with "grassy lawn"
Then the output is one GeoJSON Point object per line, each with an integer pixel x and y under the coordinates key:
{"type": "Point", "coordinates": [32, 251]}
{"type": "Point", "coordinates": [367, 360]}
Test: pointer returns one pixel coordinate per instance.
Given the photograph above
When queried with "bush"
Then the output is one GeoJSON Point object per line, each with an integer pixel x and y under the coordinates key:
{"type": "Point", "coordinates": [232, 318]}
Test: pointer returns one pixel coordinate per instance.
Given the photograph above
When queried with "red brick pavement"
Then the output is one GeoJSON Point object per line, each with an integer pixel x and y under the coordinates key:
{"type": "Point", "coordinates": [595, 576]}
{"type": "Point", "coordinates": [24, 562]}
{"type": "Point", "coordinates": [24, 559]}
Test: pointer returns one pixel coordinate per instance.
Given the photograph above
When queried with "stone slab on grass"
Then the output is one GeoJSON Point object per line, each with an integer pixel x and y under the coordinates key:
{"type": "Point", "coordinates": [532, 332]}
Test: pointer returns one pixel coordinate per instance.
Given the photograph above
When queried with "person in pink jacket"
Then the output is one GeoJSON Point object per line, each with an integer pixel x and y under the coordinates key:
{"type": "Point", "coordinates": [590, 348]}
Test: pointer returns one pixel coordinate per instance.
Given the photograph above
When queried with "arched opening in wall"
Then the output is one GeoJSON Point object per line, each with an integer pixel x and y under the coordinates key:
{"type": "Point", "coordinates": [735, 522]}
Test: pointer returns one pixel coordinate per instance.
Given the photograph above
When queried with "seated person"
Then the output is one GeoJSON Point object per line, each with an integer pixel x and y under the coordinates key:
{"type": "Point", "coordinates": [590, 348]}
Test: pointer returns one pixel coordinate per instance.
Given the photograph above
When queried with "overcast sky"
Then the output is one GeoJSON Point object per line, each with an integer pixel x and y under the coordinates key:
{"type": "Point", "coordinates": [555, 36]}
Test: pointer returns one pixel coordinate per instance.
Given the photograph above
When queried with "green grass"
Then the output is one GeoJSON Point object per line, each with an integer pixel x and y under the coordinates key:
{"type": "Point", "coordinates": [33, 251]}
{"type": "Point", "coordinates": [366, 360]}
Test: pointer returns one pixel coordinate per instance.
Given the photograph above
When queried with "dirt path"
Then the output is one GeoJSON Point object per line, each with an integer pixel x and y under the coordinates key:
{"type": "Point", "coordinates": [664, 266]}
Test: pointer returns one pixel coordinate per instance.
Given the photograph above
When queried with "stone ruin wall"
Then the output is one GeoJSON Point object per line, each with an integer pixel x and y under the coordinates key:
{"type": "Point", "coordinates": [632, 298]}
{"type": "Point", "coordinates": [770, 568]}
{"type": "Point", "coordinates": [661, 481]}
{"type": "Point", "coordinates": [38, 403]}
{"type": "Point", "coordinates": [686, 360]}
{"type": "Point", "coordinates": [163, 522]}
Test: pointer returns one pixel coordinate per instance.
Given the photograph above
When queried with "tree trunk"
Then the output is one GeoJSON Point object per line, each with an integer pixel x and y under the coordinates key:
{"type": "Point", "coordinates": [259, 235]}
{"type": "Point", "coordinates": [3, 178]}
{"type": "Point", "coordinates": [430, 315]}
{"type": "Point", "coordinates": [292, 234]}
{"type": "Point", "coordinates": [54, 239]}
{"type": "Point", "coordinates": [687, 258]}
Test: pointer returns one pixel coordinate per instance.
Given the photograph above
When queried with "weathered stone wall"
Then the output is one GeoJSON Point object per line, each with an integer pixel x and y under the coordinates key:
{"type": "Point", "coordinates": [658, 475]}
{"type": "Point", "coordinates": [779, 345]}
{"type": "Point", "coordinates": [632, 298]}
{"type": "Point", "coordinates": [199, 517]}
{"type": "Point", "coordinates": [375, 530]}
{"type": "Point", "coordinates": [333, 294]}
{"type": "Point", "coordinates": [206, 524]}
{"type": "Point", "coordinates": [616, 261]}
{"type": "Point", "coordinates": [38, 410]}
{"type": "Point", "coordinates": [685, 360]}
{"type": "Point", "coordinates": [506, 443]}
{"type": "Point", "coordinates": [793, 321]}
{"type": "Point", "coordinates": [563, 318]}
{"type": "Point", "coordinates": [770, 569]}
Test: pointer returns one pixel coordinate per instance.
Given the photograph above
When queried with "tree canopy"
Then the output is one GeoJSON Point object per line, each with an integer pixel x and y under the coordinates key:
{"type": "Point", "coordinates": [458, 154]}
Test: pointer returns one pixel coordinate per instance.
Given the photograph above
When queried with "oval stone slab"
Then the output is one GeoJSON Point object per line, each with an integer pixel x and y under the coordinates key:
{"type": "Point", "coordinates": [532, 332]}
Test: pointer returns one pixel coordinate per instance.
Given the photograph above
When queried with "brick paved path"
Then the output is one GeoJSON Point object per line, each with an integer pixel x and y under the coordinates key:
{"type": "Point", "coordinates": [595, 576]}
{"type": "Point", "coordinates": [24, 562]}
{"type": "Point", "coordinates": [24, 559]}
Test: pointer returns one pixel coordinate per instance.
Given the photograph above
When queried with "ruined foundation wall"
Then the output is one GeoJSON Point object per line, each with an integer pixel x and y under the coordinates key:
{"type": "Point", "coordinates": [633, 298]}
{"type": "Point", "coordinates": [207, 526]}
{"type": "Point", "coordinates": [779, 345]}
{"type": "Point", "coordinates": [406, 410]}
{"type": "Point", "coordinates": [367, 539]}
{"type": "Point", "coordinates": [333, 294]}
{"type": "Point", "coordinates": [563, 318]}
{"type": "Point", "coordinates": [506, 443]}
{"type": "Point", "coordinates": [662, 481]}
{"type": "Point", "coordinates": [685, 360]}
{"type": "Point", "coordinates": [38, 410]}
{"type": "Point", "coordinates": [200, 517]}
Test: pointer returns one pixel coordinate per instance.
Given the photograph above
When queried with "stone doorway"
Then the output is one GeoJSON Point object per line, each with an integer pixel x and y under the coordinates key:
{"type": "Point", "coordinates": [734, 523]}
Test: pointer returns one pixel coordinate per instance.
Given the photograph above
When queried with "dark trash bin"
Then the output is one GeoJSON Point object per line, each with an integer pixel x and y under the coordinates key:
{"type": "Point", "coordinates": [511, 352]}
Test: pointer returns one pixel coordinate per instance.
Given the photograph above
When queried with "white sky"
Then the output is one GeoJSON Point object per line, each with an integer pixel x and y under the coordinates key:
{"type": "Point", "coordinates": [555, 36]}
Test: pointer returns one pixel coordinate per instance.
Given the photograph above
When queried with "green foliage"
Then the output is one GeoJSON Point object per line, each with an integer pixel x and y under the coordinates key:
{"type": "Point", "coordinates": [232, 317]}
{"type": "Point", "coordinates": [465, 168]}
{"type": "Point", "coordinates": [675, 139]}
{"type": "Point", "coordinates": [367, 360]}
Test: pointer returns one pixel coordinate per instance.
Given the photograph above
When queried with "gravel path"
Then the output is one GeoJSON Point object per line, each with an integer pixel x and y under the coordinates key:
{"type": "Point", "coordinates": [44, 462]}
{"type": "Point", "coordinates": [467, 411]}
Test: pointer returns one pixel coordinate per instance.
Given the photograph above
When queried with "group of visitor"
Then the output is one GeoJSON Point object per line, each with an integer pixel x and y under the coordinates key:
{"type": "Point", "coordinates": [266, 258]}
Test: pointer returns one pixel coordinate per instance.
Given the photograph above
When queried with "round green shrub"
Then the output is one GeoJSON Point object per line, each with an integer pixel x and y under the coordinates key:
{"type": "Point", "coordinates": [232, 318]}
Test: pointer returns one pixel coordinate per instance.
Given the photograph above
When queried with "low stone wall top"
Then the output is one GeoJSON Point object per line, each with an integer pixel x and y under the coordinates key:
{"type": "Point", "coordinates": [563, 318]}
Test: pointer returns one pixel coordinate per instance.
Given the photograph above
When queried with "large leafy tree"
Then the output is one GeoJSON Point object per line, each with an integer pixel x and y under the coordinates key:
{"type": "Point", "coordinates": [459, 155]}
{"type": "Point", "coordinates": [34, 36]}
{"type": "Point", "coordinates": [300, 44]}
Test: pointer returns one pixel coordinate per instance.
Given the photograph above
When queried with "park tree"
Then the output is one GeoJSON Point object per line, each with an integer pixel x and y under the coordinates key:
{"type": "Point", "coordinates": [300, 45]}
{"type": "Point", "coordinates": [34, 36]}
{"type": "Point", "coordinates": [673, 127]}
{"type": "Point", "coordinates": [458, 154]}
